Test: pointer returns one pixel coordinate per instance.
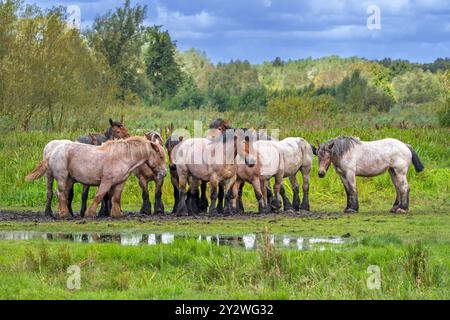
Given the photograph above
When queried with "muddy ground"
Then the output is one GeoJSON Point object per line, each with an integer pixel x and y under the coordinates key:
{"type": "Point", "coordinates": [32, 216]}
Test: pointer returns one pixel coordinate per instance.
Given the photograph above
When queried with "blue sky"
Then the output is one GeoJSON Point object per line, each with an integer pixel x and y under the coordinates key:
{"type": "Point", "coordinates": [259, 30]}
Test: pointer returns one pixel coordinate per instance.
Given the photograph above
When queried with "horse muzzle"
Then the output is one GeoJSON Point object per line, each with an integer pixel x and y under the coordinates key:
{"type": "Point", "coordinates": [321, 174]}
{"type": "Point", "coordinates": [173, 167]}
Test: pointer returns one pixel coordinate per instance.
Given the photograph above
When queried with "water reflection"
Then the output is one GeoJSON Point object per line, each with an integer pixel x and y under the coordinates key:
{"type": "Point", "coordinates": [248, 241]}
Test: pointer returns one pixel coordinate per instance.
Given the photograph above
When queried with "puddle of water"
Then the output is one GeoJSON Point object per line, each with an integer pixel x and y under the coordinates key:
{"type": "Point", "coordinates": [248, 241]}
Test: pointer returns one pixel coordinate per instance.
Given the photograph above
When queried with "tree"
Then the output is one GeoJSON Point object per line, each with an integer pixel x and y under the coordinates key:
{"type": "Point", "coordinates": [49, 78]}
{"type": "Point", "coordinates": [119, 36]}
{"type": "Point", "coordinates": [233, 77]}
{"type": "Point", "coordinates": [161, 68]}
{"type": "Point", "coordinates": [417, 86]}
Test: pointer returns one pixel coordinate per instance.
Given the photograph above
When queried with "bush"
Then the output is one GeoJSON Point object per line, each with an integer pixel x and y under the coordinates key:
{"type": "Point", "coordinates": [220, 100]}
{"type": "Point", "coordinates": [187, 98]}
{"type": "Point", "coordinates": [444, 114]}
{"type": "Point", "coordinates": [417, 87]}
{"type": "Point", "coordinates": [357, 96]}
{"type": "Point", "coordinates": [253, 99]}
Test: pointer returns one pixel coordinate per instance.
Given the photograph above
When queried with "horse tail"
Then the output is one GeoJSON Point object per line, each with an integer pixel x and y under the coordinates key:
{"type": "Point", "coordinates": [314, 149]}
{"type": "Point", "coordinates": [38, 172]}
{"type": "Point", "coordinates": [418, 166]}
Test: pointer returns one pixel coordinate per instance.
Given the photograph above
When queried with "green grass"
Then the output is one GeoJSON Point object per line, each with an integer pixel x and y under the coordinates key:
{"type": "Point", "coordinates": [191, 270]}
{"type": "Point", "coordinates": [412, 250]}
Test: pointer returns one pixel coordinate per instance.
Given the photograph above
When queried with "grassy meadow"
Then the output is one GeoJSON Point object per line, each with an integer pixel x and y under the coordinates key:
{"type": "Point", "coordinates": [412, 250]}
{"type": "Point", "coordinates": [21, 151]}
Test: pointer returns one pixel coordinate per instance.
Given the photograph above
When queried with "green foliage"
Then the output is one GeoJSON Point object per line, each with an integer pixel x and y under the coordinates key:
{"type": "Point", "coordinates": [233, 77]}
{"type": "Point", "coordinates": [416, 86]}
{"type": "Point", "coordinates": [356, 95]}
{"type": "Point", "coordinates": [161, 68]}
{"type": "Point", "coordinates": [186, 98]}
{"type": "Point", "coordinates": [119, 36]}
{"type": "Point", "coordinates": [48, 75]}
{"type": "Point", "coordinates": [253, 99]}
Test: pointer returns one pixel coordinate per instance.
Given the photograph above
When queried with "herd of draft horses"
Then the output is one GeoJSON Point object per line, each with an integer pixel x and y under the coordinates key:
{"type": "Point", "coordinates": [226, 159]}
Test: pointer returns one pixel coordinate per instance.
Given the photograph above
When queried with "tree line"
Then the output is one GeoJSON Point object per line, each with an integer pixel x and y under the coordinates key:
{"type": "Point", "coordinates": [53, 76]}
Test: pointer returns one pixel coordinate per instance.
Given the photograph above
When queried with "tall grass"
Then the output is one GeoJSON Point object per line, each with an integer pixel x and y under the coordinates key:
{"type": "Point", "coordinates": [192, 270]}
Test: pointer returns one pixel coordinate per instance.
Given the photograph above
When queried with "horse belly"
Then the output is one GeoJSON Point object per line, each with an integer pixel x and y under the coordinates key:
{"type": "Point", "coordinates": [373, 168]}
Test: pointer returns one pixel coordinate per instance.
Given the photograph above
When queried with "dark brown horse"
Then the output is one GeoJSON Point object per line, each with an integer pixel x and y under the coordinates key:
{"type": "Point", "coordinates": [145, 174]}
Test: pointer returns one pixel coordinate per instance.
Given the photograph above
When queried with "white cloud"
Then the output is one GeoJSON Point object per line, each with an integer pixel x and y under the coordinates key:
{"type": "Point", "coordinates": [175, 20]}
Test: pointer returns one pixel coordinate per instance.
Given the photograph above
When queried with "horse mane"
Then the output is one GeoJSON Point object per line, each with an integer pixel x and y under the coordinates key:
{"type": "Point", "coordinates": [341, 145]}
{"type": "Point", "coordinates": [108, 133]}
{"type": "Point", "coordinates": [133, 147]}
{"type": "Point", "coordinates": [218, 122]}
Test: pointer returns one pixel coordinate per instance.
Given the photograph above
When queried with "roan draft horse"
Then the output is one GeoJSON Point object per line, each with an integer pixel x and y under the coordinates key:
{"type": "Point", "coordinates": [107, 166]}
{"type": "Point", "coordinates": [117, 130]}
{"type": "Point", "coordinates": [352, 157]}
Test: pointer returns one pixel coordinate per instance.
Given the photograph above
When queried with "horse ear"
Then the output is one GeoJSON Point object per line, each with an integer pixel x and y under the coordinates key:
{"type": "Point", "coordinates": [110, 122]}
{"type": "Point", "coordinates": [226, 123]}
{"type": "Point", "coordinates": [121, 119]}
{"type": "Point", "coordinates": [93, 138]}
{"type": "Point", "coordinates": [330, 146]}
{"type": "Point", "coordinates": [180, 138]}
{"type": "Point", "coordinates": [155, 146]}
{"type": "Point", "coordinates": [148, 136]}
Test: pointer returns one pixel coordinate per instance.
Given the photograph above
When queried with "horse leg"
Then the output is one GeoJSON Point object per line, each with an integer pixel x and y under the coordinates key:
{"type": "Point", "coordinates": [182, 208]}
{"type": "Point", "coordinates": [305, 187]}
{"type": "Point", "coordinates": [259, 195]}
{"type": "Point", "coordinates": [268, 191]}
{"type": "Point", "coordinates": [84, 198]}
{"type": "Point", "coordinates": [262, 185]}
{"type": "Point", "coordinates": [397, 189]}
{"type": "Point", "coordinates": [176, 192]}
{"type": "Point", "coordinates": [404, 189]}
{"type": "Point", "coordinates": [203, 199]}
{"type": "Point", "coordinates": [48, 203]}
{"type": "Point", "coordinates": [101, 192]}
{"type": "Point", "coordinates": [69, 200]}
{"type": "Point", "coordinates": [220, 200]}
{"type": "Point", "coordinates": [214, 186]}
{"type": "Point", "coordinates": [287, 206]}
{"type": "Point", "coordinates": [295, 188]}
{"type": "Point", "coordinates": [62, 197]}
{"type": "Point", "coordinates": [240, 203]}
{"type": "Point", "coordinates": [349, 181]}
{"type": "Point", "coordinates": [231, 196]}
{"type": "Point", "coordinates": [275, 203]}
{"type": "Point", "coordinates": [146, 207]}
{"type": "Point", "coordinates": [116, 192]}
{"type": "Point", "coordinates": [193, 197]}
{"type": "Point", "coordinates": [159, 206]}
{"type": "Point", "coordinates": [105, 205]}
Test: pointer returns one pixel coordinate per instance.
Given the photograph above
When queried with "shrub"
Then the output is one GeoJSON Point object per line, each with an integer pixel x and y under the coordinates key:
{"type": "Point", "coordinates": [253, 99]}
{"type": "Point", "coordinates": [417, 87]}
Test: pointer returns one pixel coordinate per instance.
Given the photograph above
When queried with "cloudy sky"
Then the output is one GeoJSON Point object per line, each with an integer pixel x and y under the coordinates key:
{"type": "Point", "coordinates": [259, 30]}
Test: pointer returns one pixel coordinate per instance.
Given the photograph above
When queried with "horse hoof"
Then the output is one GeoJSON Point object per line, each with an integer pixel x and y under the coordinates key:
{"type": "Point", "coordinates": [64, 215]}
{"type": "Point", "coordinates": [288, 208]}
{"type": "Point", "coordinates": [305, 208]}
{"type": "Point", "coordinates": [117, 215]}
{"type": "Point", "coordinates": [400, 210]}
{"type": "Point", "coordinates": [145, 212]}
{"type": "Point", "coordinates": [350, 210]}
{"type": "Point", "coordinates": [182, 214]}
{"type": "Point", "coordinates": [394, 209]}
